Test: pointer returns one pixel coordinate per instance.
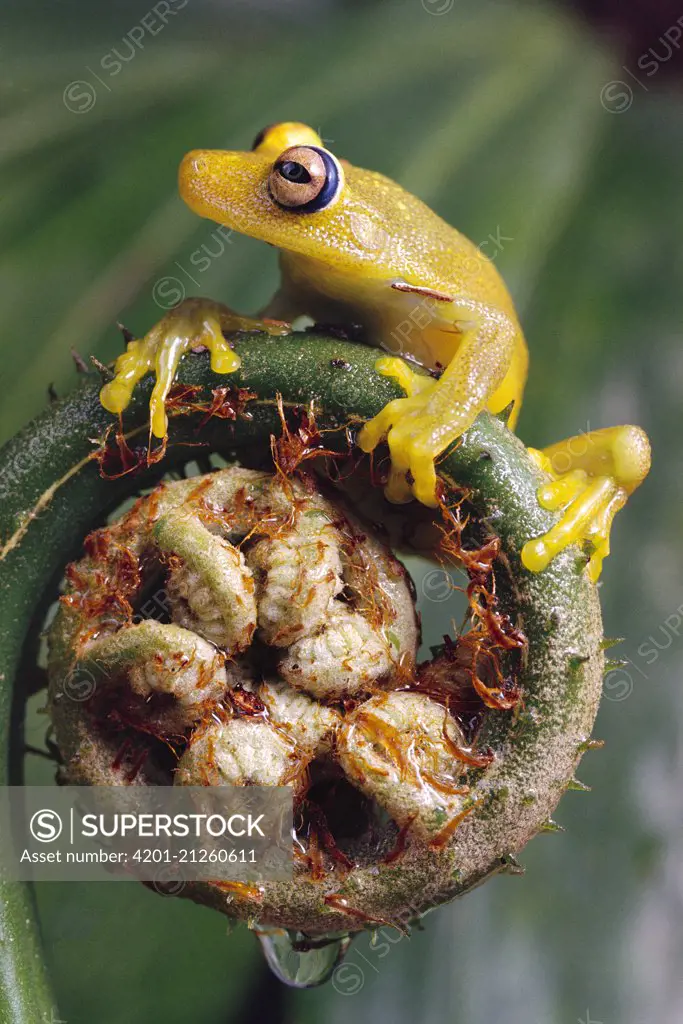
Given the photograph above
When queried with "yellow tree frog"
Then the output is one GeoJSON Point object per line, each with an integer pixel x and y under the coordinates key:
{"type": "Point", "coordinates": [357, 248]}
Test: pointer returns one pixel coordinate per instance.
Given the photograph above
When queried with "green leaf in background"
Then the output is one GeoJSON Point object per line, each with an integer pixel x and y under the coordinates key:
{"type": "Point", "coordinates": [492, 113]}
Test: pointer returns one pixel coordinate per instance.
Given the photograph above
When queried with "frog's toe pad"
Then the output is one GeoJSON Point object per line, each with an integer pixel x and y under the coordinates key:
{"type": "Point", "coordinates": [589, 505]}
{"type": "Point", "coordinates": [115, 396]}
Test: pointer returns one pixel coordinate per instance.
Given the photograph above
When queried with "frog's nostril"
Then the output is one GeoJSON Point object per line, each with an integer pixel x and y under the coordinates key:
{"type": "Point", "coordinates": [193, 164]}
{"type": "Point", "coordinates": [193, 171]}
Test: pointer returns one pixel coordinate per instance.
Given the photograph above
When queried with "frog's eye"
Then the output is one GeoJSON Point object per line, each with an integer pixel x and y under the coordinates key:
{"type": "Point", "coordinates": [305, 179]}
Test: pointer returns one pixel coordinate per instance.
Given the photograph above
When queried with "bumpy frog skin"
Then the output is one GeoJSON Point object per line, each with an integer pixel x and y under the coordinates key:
{"type": "Point", "coordinates": [356, 248]}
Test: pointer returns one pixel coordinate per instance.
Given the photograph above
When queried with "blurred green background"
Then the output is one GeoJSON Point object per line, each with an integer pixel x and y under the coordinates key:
{"type": "Point", "coordinates": [518, 125]}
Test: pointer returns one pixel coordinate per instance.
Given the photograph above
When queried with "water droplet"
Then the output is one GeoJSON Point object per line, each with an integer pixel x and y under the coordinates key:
{"type": "Point", "coordinates": [301, 968]}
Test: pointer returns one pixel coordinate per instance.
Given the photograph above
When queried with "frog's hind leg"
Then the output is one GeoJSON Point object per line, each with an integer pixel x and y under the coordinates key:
{"type": "Point", "coordinates": [592, 476]}
{"type": "Point", "coordinates": [508, 397]}
{"type": "Point", "coordinates": [434, 413]}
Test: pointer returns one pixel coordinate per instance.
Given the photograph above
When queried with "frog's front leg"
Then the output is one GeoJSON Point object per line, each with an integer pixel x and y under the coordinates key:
{"type": "Point", "coordinates": [194, 323]}
{"type": "Point", "coordinates": [592, 476]}
{"type": "Point", "coordinates": [420, 427]}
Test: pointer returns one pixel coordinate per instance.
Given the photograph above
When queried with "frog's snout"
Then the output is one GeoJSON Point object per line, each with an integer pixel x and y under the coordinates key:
{"type": "Point", "coordinates": [202, 179]}
{"type": "Point", "coordinates": [220, 184]}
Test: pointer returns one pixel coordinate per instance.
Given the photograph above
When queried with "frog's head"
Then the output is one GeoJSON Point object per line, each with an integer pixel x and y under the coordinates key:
{"type": "Point", "coordinates": [293, 193]}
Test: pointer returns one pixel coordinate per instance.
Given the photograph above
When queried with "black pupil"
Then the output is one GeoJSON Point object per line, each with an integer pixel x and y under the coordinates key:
{"type": "Point", "coordinates": [294, 172]}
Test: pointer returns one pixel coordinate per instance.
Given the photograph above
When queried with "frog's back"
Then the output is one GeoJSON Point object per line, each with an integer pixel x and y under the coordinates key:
{"type": "Point", "coordinates": [420, 246]}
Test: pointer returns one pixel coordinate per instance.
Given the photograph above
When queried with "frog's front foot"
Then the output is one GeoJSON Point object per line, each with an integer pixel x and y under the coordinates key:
{"type": "Point", "coordinates": [592, 476]}
{"type": "Point", "coordinates": [194, 323]}
{"type": "Point", "coordinates": [415, 431]}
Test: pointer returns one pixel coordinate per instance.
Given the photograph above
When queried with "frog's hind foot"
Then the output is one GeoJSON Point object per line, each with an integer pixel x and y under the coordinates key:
{"type": "Point", "coordinates": [194, 323]}
{"type": "Point", "coordinates": [592, 476]}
